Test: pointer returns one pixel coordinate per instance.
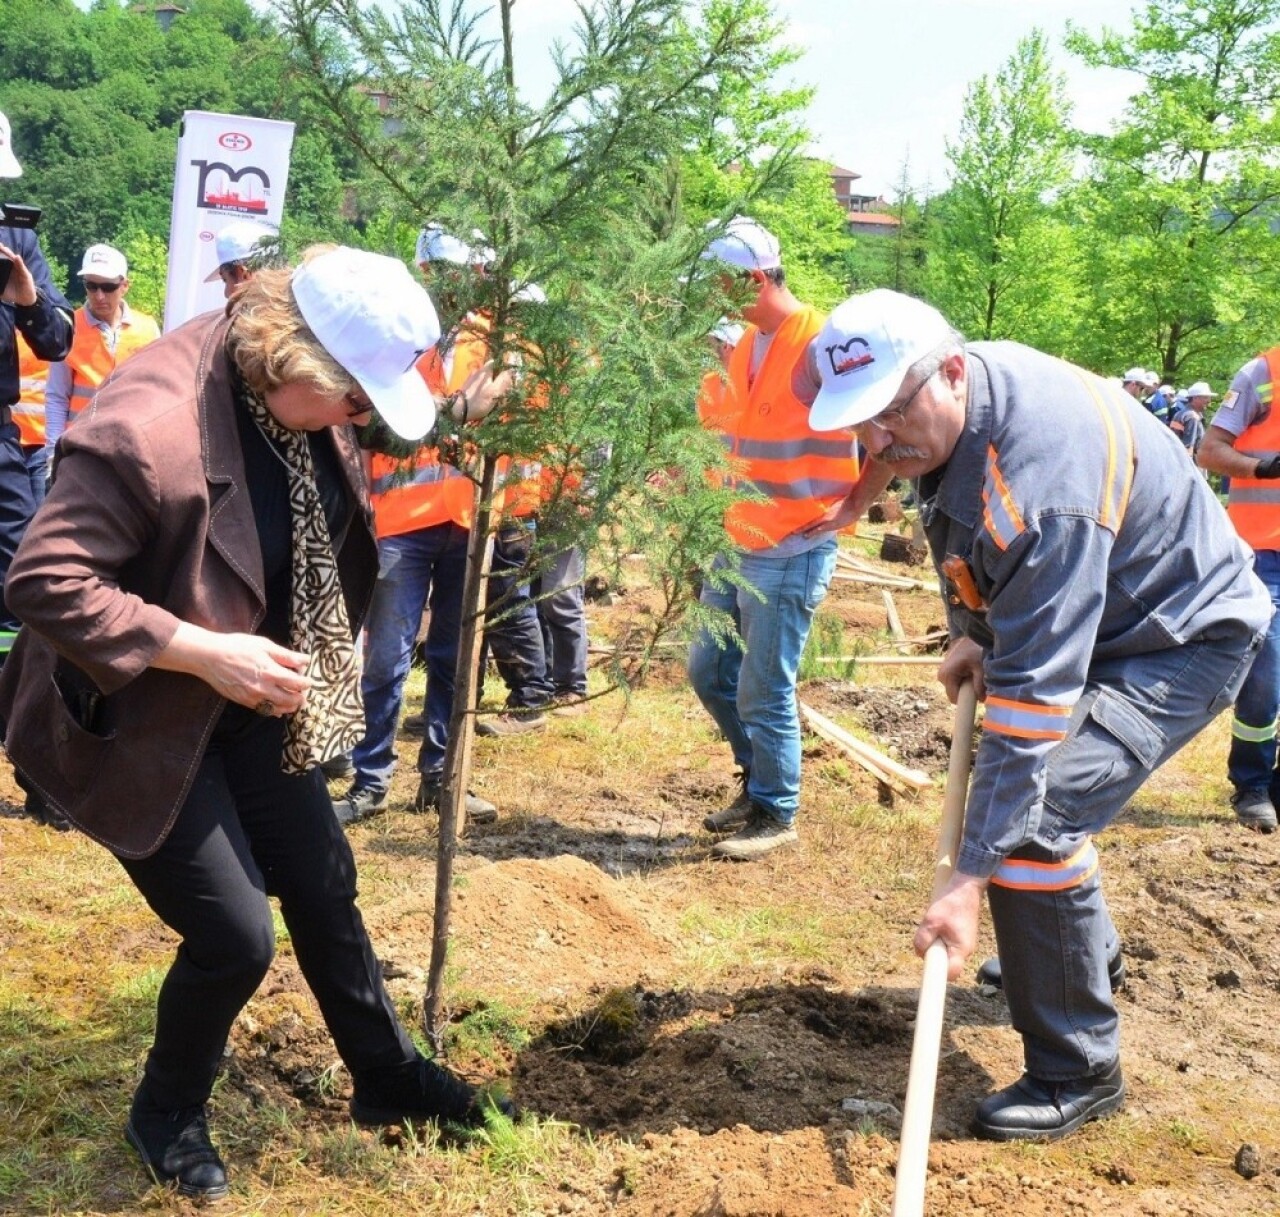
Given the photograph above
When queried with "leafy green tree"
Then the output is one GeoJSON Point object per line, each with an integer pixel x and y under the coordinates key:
{"type": "Point", "coordinates": [1181, 206]}
{"type": "Point", "coordinates": [1001, 264]}
{"type": "Point", "coordinates": [581, 194]}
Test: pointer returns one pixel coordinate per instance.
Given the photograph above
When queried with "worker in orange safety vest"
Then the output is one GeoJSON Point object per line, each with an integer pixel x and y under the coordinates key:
{"type": "Point", "coordinates": [107, 332]}
{"type": "Point", "coordinates": [796, 481]}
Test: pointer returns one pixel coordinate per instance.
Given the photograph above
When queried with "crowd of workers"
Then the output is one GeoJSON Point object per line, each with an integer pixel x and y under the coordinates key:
{"type": "Point", "coordinates": [192, 589]}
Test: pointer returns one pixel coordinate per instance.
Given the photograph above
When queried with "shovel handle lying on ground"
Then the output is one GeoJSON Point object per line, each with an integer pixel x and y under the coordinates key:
{"type": "Point", "coordinates": [917, 1113]}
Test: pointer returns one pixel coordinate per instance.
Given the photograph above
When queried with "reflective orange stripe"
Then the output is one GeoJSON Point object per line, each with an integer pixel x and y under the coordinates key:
{"type": "Point", "coordinates": [1000, 514]}
{"type": "Point", "coordinates": [1020, 875]}
{"type": "Point", "coordinates": [1026, 719]}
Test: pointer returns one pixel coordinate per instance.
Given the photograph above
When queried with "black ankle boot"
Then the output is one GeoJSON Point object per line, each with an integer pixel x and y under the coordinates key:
{"type": "Point", "coordinates": [419, 1091]}
{"type": "Point", "coordinates": [174, 1146]}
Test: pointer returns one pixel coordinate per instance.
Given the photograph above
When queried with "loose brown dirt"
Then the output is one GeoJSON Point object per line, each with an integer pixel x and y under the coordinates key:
{"type": "Point", "coordinates": [725, 1041]}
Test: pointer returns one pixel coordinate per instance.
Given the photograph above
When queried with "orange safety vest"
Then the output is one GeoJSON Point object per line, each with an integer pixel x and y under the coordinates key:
{"type": "Point", "coordinates": [801, 472]}
{"type": "Point", "coordinates": [521, 479]}
{"type": "Point", "coordinates": [1254, 503]}
{"type": "Point", "coordinates": [28, 410]}
{"type": "Point", "coordinates": [424, 490]}
{"type": "Point", "coordinates": [91, 362]}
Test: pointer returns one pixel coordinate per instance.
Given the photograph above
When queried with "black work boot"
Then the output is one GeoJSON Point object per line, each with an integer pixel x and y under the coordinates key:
{"type": "Point", "coordinates": [1036, 1109]}
{"type": "Point", "coordinates": [174, 1146]}
{"type": "Point", "coordinates": [359, 803]}
{"type": "Point", "coordinates": [1254, 810]}
{"type": "Point", "coordinates": [736, 815]}
{"type": "Point", "coordinates": [478, 810]}
{"type": "Point", "coordinates": [419, 1091]}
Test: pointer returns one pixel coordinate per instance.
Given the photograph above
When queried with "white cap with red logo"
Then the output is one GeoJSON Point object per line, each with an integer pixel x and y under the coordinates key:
{"type": "Point", "coordinates": [865, 350]}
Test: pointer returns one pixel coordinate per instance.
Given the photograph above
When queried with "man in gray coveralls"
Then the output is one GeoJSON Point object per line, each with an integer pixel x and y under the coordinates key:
{"type": "Point", "coordinates": [1101, 637]}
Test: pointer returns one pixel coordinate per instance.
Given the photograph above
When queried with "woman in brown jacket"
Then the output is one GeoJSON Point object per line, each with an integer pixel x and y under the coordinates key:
{"type": "Point", "coordinates": [190, 593]}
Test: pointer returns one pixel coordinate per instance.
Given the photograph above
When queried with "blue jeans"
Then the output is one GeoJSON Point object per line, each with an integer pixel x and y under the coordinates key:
{"type": "Point", "coordinates": [557, 593]}
{"type": "Point", "coordinates": [750, 689]}
{"type": "Point", "coordinates": [515, 637]}
{"type": "Point", "coordinates": [37, 470]}
{"type": "Point", "coordinates": [1251, 763]}
{"type": "Point", "coordinates": [414, 568]}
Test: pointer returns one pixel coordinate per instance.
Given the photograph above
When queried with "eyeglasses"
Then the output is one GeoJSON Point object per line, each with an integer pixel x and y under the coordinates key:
{"type": "Point", "coordinates": [890, 420]}
{"type": "Point", "coordinates": [357, 403]}
{"type": "Point", "coordinates": [106, 288]}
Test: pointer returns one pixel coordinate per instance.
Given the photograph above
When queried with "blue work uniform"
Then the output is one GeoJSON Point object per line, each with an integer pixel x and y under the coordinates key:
{"type": "Point", "coordinates": [1119, 615]}
{"type": "Point", "coordinates": [46, 325]}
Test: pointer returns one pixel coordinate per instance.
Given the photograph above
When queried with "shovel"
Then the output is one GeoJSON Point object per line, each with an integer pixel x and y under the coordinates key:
{"type": "Point", "coordinates": [917, 1113]}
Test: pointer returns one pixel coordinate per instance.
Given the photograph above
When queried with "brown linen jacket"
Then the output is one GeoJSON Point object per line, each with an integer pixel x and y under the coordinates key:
{"type": "Point", "coordinates": [149, 523]}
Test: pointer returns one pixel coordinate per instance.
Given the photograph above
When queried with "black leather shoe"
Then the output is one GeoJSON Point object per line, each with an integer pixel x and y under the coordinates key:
{"type": "Point", "coordinates": [419, 1091]}
{"type": "Point", "coordinates": [990, 972]}
{"type": "Point", "coordinates": [175, 1148]}
{"type": "Point", "coordinates": [1033, 1109]}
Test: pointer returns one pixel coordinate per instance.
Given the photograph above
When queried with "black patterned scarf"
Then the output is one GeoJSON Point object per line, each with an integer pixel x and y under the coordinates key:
{"type": "Point", "coordinates": [331, 720]}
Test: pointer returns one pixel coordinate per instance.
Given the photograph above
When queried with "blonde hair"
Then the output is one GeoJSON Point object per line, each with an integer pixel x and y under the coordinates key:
{"type": "Point", "coordinates": [270, 342]}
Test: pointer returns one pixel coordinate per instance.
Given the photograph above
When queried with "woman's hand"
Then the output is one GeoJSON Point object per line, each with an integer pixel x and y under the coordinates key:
{"type": "Point", "coordinates": [247, 669]}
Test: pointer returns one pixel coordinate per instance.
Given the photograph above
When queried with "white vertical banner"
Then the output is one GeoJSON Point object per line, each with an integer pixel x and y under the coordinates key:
{"type": "Point", "coordinates": [229, 168]}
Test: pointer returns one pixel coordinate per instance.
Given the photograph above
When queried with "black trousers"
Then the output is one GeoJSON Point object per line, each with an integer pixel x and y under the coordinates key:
{"type": "Point", "coordinates": [248, 831]}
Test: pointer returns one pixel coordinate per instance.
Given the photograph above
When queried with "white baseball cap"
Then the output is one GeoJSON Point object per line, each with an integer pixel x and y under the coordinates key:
{"type": "Point", "coordinates": [1153, 380]}
{"type": "Point", "coordinates": [1200, 389]}
{"type": "Point", "coordinates": [105, 261]}
{"type": "Point", "coordinates": [743, 243]}
{"type": "Point", "coordinates": [1135, 376]}
{"type": "Point", "coordinates": [865, 349]}
{"type": "Point", "coordinates": [242, 240]}
{"type": "Point", "coordinates": [436, 245]}
{"type": "Point", "coordinates": [9, 166]}
{"type": "Point", "coordinates": [376, 320]}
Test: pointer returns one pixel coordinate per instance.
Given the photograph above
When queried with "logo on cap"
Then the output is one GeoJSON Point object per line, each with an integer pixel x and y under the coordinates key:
{"type": "Point", "coordinates": [844, 360]}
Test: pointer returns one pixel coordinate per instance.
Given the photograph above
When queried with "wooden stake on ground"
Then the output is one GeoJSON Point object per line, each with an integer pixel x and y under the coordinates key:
{"type": "Point", "coordinates": [881, 766]}
{"type": "Point", "coordinates": [856, 576]}
{"type": "Point", "coordinates": [890, 659]}
{"type": "Point", "coordinates": [891, 612]}
{"type": "Point", "coordinates": [917, 1113]}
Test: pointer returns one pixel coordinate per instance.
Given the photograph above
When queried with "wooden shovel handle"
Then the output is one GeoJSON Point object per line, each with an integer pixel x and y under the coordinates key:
{"type": "Point", "coordinates": [917, 1113]}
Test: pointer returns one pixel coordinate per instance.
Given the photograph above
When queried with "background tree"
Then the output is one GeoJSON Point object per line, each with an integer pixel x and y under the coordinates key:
{"type": "Point", "coordinates": [1180, 209]}
{"type": "Point", "coordinates": [1002, 261]}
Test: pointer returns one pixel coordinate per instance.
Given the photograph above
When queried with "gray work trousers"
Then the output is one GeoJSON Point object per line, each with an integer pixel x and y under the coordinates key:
{"type": "Point", "coordinates": [1055, 940]}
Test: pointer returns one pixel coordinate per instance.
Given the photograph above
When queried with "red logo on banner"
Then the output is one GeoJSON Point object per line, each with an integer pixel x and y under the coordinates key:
{"type": "Point", "coordinates": [235, 141]}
